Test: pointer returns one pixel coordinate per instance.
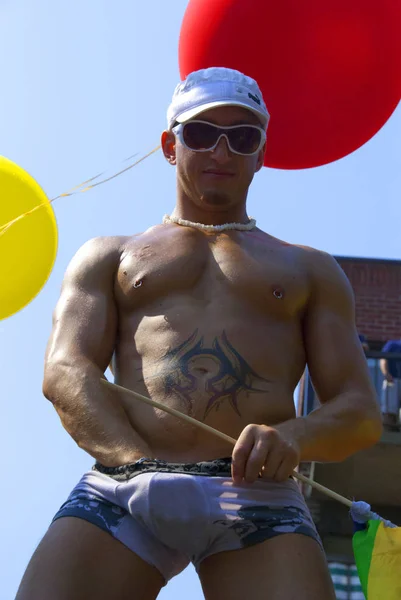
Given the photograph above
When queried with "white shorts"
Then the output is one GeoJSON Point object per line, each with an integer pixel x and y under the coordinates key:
{"type": "Point", "coordinates": [390, 400]}
{"type": "Point", "coordinates": [172, 514]}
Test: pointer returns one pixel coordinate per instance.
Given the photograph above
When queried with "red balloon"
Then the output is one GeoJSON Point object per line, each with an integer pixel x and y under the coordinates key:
{"type": "Point", "coordinates": [329, 70]}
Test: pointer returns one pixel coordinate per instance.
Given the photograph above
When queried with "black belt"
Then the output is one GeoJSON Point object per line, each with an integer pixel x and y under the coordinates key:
{"type": "Point", "coordinates": [220, 467]}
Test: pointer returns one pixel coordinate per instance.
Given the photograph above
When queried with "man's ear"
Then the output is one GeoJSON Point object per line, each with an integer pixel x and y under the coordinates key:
{"type": "Point", "coordinates": [168, 146]}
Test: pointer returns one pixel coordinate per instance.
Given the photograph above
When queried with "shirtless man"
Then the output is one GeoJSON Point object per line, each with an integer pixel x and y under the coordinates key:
{"type": "Point", "coordinates": [218, 324]}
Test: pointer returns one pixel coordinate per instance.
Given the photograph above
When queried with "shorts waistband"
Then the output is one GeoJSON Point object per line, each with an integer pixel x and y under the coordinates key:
{"type": "Point", "coordinates": [220, 467]}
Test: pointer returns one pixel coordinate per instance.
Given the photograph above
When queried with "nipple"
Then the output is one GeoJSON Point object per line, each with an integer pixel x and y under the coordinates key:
{"type": "Point", "coordinates": [278, 293]}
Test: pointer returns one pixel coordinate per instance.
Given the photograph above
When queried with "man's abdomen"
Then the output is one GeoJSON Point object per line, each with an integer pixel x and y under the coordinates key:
{"type": "Point", "coordinates": [226, 370]}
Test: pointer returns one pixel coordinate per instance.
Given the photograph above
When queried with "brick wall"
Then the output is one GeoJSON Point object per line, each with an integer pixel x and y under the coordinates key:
{"type": "Point", "coordinates": [377, 289]}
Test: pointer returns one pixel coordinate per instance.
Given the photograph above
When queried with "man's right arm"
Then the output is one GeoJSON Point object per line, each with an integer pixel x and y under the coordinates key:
{"type": "Point", "coordinates": [79, 351]}
{"type": "Point", "coordinates": [384, 366]}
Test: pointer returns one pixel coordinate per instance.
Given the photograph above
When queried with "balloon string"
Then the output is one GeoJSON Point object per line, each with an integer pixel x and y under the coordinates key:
{"type": "Point", "coordinates": [76, 189]}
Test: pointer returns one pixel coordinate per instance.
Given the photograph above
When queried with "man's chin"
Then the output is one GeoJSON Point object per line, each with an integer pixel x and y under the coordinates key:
{"type": "Point", "coordinates": [215, 198]}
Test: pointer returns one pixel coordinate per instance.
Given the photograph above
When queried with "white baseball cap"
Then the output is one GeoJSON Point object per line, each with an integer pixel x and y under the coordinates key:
{"type": "Point", "coordinates": [216, 86]}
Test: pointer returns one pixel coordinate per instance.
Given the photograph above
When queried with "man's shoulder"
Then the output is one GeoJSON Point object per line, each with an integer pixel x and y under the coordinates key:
{"type": "Point", "coordinates": [99, 253]}
{"type": "Point", "coordinates": [99, 250]}
{"type": "Point", "coordinates": [313, 255]}
{"type": "Point", "coordinates": [105, 244]}
{"type": "Point", "coordinates": [102, 249]}
{"type": "Point", "coordinates": [392, 346]}
{"type": "Point", "coordinates": [105, 247]}
{"type": "Point", "coordinates": [320, 268]}
{"type": "Point", "coordinates": [309, 257]}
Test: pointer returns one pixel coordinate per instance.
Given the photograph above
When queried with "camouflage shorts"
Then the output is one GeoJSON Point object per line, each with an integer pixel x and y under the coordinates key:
{"type": "Point", "coordinates": [171, 514]}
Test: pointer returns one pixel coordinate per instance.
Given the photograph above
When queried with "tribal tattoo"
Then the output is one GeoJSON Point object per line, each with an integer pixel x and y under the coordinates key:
{"type": "Point", "coordinates": [227, 374]}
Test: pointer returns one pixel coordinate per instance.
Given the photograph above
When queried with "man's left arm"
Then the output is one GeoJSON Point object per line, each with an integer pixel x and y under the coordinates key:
{"type": "Point", "coordinates": [349, 418]}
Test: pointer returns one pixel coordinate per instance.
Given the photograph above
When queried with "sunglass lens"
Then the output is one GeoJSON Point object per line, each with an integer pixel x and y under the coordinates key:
{"type": "Point", "coordinates": [200, 136]}
{"type": "Point", "coordinates": [245, 140]}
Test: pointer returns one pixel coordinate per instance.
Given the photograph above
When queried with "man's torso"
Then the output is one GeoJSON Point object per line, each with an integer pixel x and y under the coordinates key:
{"type": "Point", "coordinates": [210, 325]}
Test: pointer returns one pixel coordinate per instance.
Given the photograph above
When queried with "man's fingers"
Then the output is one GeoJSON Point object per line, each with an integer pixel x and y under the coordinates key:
{"type": "Point", "coordinates": [284, 471]}
{"type": "Point", "coordinates": [256, 460]}
{"type": "Point", "coordinates": [262, 450]}
{"type": "Point", "coordinates": [241, 452]}
{"type": "Point", "coordinates": [279, 465]}
{"type": "Point", "coordinates": [272, 463]}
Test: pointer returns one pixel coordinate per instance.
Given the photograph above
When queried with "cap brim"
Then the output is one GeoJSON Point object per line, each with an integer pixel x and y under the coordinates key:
{"type": "Point", "coordinates": [194, 112]}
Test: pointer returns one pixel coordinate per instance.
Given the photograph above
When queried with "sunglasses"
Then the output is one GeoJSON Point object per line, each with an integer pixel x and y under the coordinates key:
{"type": "Point", "coordinates": [201, 136]}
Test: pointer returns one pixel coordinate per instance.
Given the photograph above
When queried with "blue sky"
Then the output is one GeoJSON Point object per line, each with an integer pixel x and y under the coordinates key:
{"type": "Point", "coordinates": [84, 86]}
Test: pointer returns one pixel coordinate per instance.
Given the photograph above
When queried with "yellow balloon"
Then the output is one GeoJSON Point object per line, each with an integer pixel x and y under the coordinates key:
{"type": "Point", "coordinates": [28, 247]}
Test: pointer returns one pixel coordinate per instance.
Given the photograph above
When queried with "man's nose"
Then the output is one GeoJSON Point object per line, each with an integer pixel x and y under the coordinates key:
{"type": "Point", "coordinates": [222, 152]}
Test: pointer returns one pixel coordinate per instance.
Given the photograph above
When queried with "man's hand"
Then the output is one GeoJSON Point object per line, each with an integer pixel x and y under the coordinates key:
{"type": "Point", "coordinates": [388, 377]}
{"type": "Point", "coordinates": [262, 449]}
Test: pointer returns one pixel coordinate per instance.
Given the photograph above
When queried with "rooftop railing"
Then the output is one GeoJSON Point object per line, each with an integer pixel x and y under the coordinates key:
{"type": "Point", "coordinates": [308, 400]}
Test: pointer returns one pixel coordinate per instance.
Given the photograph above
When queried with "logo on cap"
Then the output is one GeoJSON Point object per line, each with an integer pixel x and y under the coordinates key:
{"type": "Point", "coordinates": [254, 98]}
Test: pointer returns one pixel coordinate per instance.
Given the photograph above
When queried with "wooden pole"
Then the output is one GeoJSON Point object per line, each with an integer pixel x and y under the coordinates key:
{"type": "Point", "coordinates": [223, 436]}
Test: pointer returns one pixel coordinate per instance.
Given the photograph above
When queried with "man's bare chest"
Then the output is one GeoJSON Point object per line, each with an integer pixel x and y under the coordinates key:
{"type": "Point", "coordinates": [208, 268]}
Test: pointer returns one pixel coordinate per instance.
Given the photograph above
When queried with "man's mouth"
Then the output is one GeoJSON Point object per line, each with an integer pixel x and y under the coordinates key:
{"type": "Point", "coordinates": [219, 173]}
